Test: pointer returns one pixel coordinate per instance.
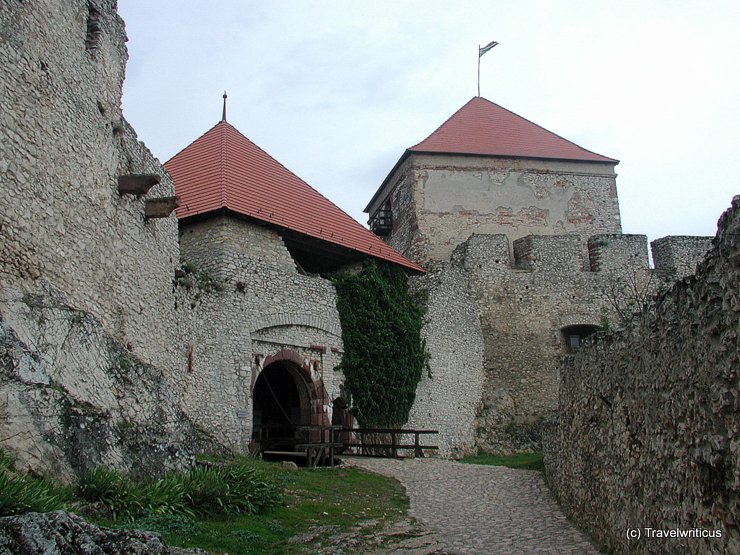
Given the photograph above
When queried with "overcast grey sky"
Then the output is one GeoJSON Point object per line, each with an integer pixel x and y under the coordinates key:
{"type": "Point", "coordinates": [337, 90]}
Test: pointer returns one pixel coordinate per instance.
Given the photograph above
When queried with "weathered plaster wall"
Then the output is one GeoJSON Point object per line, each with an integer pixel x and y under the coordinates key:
{"type": "Point", "coordinates": [648, 418]}
{"type": "Point", "coordinates": [438, 201]}
{"type": "Point", "coordinates": [448, 395]}
{"type": "Point", "coordinates": [261, 307]}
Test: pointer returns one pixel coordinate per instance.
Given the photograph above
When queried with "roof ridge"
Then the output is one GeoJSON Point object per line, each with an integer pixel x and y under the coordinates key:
{"type": "Point", "coordinates": [222, 149]}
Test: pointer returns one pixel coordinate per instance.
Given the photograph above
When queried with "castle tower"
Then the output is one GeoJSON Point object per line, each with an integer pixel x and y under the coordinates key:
{"type": "Point", "coordinates": [532, 222]}
{"type": "Point", "coordinates": [488, 170]}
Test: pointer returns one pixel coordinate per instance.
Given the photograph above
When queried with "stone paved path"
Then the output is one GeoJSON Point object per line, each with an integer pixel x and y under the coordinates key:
{"type": "Point", "coordinates": [476, 509]}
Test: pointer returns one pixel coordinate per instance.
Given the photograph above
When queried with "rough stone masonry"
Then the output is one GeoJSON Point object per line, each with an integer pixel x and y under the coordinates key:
{"type": "Point", "coordinates": [649, 418]}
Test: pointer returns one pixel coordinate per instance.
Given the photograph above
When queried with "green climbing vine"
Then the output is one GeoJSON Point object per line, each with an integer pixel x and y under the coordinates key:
{"type": "Point", "coordinates": [384, 353]}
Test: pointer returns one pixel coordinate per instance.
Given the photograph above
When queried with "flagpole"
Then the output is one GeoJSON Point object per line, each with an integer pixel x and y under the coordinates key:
{"type": "Point", "coordinates": [482, 51]}
{"type": "Point", "coordinates": [479, 70]}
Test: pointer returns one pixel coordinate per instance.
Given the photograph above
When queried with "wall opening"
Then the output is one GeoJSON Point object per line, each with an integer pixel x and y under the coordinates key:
{"type": "Point", "coordinates": [94, 30]}
{"type": "Point", "coordinates": [281, 404]}
{"type": "Point", "coordinates": [573, 336]}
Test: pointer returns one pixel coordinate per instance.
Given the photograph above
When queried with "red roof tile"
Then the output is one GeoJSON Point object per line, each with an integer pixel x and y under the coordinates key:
{"type": "Point", "coordinates": [484, 128]}
{"type": "Point", "coordinates": [224, 170]}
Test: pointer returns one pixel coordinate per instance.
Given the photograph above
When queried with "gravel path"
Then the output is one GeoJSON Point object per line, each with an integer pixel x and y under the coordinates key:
{"type": "Point", "coordinates": [476, 509]}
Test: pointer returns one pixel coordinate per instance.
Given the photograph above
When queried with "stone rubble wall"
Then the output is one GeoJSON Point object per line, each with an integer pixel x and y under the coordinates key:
{"type": "Point", "coordinates": [262, 306]}
{"type": "Point", "coordinates": [447, 396]}
{"type": "Point", "coordinates": [63, 144]}
{"type": "Point", "coordinates": [90, 373]}
{"type": "Point", "coordinates": [648, 418]}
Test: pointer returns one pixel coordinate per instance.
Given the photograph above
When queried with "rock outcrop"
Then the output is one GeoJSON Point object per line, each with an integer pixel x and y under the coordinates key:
{"type": "Point", "coordinates": [62, 533]}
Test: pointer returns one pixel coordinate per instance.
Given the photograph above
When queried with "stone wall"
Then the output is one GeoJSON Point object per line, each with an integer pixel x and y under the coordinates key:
{"type": "Point", "coordinates": [678, 255]}
{"type": "Point", "coordinates": [447, 397]}
{"type": "Point", "coordinates": [63, 144]}
{"type": "Point", "coordinates": [90, 372]}
{"type": "Point", "coordinates": [648, 418]}
{"type": "Point", "coordinates": [437, 201]}
{"type": "Point", "coordinates": [255, 306]}
{"type": "Point", "coordinates": [528, 293]}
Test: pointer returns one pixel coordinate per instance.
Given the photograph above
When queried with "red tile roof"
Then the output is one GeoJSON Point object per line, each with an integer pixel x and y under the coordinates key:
{"type": "Point", "coordinates": [484, 128]}
{"type": "Point", "coordinates": [223, 170]}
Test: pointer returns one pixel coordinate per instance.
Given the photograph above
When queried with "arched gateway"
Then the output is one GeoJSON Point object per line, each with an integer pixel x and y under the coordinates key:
{"type": "Point", "coordinates": [286, 395]}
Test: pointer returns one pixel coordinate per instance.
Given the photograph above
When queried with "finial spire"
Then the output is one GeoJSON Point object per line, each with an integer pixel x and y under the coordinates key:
{"type": "Point", "coordinates": [223, 116]}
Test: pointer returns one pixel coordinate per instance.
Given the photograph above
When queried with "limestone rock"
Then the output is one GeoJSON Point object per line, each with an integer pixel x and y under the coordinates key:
{"type": "Point", "coordinates": [61, 533]}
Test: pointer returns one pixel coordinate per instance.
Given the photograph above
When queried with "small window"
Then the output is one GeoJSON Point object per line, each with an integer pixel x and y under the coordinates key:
{"type": "Point", "coordinates": [574, 341]}
{"type": "Point", "coordinates": [573, 336]}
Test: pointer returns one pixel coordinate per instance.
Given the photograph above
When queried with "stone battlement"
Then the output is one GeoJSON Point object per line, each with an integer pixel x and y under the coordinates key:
{"type": "Point", "coordinates": [613, 252]}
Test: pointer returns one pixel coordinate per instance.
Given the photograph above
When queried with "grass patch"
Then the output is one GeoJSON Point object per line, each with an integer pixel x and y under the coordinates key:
{"type": "Point", "coordinates": [525, 461]}
{"type": "Point", "coordinates": [239, 506]}
{"type": "Point", "coordinates": [318, 503]}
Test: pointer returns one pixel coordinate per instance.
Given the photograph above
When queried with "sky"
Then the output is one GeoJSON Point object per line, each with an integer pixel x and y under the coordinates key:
{"type": "Point", "coordinates": [337, 90]}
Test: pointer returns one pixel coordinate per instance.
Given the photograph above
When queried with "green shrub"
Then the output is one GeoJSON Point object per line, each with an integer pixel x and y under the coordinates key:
{"type": "Point", "coordinates": [20, 493]}
{"type": "Point", "coordinates": [238, 488]}
{"type": "Point", "coordinates": [167, 496]}
{"type": "Point", "coordinates": [125, 498]}
{"type": "Point", "coordinates": [384, 351]}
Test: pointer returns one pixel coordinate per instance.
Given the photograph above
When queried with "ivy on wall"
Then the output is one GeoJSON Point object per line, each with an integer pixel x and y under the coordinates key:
{"type": "Point", "coordinates": [384, 353]}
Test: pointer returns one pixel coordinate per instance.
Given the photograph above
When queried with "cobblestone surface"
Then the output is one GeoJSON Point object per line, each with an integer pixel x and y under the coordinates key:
{"type": "Point", "coordinates": [477, 509]}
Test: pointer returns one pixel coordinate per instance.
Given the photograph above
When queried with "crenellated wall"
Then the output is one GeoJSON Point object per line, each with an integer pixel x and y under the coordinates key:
{"type": "Point", "coordinates": [532, 293]}
{"type": "Point", "coordinates": [676, 256]}
{"type": "Point", "coordinates": [648, 428]}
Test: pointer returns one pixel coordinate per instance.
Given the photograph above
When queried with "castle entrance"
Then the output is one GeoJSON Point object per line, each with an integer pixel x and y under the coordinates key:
{"type": "Point", "coordinates": [281, 403]}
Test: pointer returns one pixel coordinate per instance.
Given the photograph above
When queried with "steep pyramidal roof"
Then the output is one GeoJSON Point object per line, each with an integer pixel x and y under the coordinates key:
{"type": "Point", "coordinates": [484, 128]}
{"type": "Point", "coordinates": [223, 170]}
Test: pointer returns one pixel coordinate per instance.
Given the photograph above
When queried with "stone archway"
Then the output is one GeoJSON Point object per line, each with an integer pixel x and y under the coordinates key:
{"type": "Point", "coordinates": [285, 396]}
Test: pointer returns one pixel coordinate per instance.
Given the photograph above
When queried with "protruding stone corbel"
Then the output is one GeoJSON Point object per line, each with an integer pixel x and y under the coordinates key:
{"type": "Point", "coordinates": [136, 183]}
{"type": "Point", "coordinates": [160, 207]}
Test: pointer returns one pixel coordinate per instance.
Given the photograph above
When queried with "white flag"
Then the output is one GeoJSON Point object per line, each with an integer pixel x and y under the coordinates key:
{"type": "Point", "coordinates": [486, 48]}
